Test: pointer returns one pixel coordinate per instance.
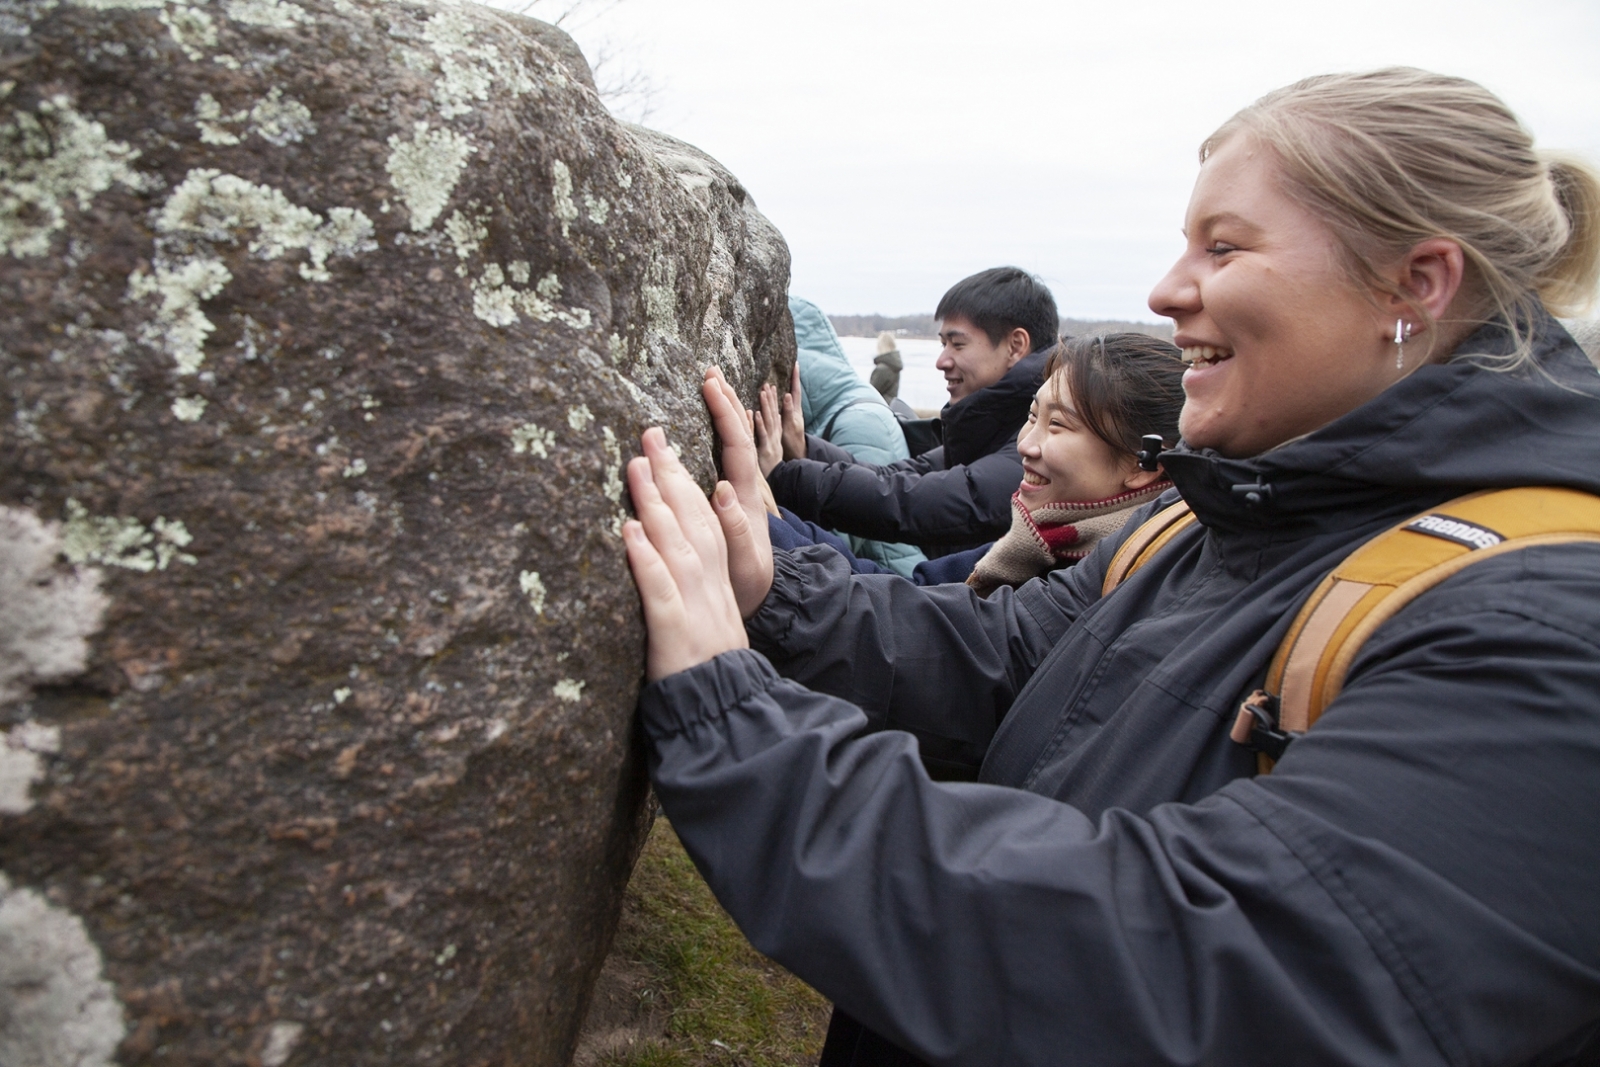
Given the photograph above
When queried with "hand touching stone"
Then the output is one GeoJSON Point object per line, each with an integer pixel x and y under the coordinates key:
{"type": "Point", "coordinates": [679, 559]}
{"type": "Point", "coordinates": [794, 420]}
{"type": "Point", "coordinates": [745, 526]}
{"type": "Point", "coordinates": [768, 420]}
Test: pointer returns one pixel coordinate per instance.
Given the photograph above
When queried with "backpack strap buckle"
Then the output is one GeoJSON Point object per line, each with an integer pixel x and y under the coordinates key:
{"type": "Point", "coordinates": [1256, 726]}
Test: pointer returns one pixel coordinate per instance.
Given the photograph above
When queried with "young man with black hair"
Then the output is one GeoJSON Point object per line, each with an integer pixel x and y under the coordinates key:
{"type": "Point", "coordinates": [996, 328]}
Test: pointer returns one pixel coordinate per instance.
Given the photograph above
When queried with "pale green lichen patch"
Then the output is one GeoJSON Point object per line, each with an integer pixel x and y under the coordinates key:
{"type": "Point", "coordinates": [191, 28]}
{"type": "Point", "coordinates": [189, 408]}
{"type": "Point", "coordinates": [499, 304]}
{"type": "Point", "coordinates": [579, 418]}
{"type": "Point", "coordinates": [123, 541]}
{"type": "Point", "coordinates": [598, 209]}
{"type": "Point", "coordinates": [280, 120]}
{"type": "Point", "coordinates": [561, 189]}
{"type": "Point", "coordinates": [467, 233]}
{"type": "Point", "coordinates": [533, 588]}
{"type": "Point", "coordinates": [549, 286]}
{"type": "Point", "coordinates": [618, 348]}
{"type": "Point", "coordinates": [180, 326]}
{"type": "Point", "coordinates": [225, 208]}
{"type": "Point", "coordinates": [531, 438]}
{"type": "Point", "coordinates": [613, 483]}
{"type": "Point", "coordinates": [49, 159]}
{"type": "Point", "coordinates": [355, 468]}
{"type": "Point", "coordinates": [468, 67]}
{"type": "Point", "coordinates": [660, 310]}
{"type": "Point", "coordinates": [214, 124]}
{"type": "Point", "coordinates": [425, 170]}
{"type": "Point", "coordinates": [570, 690]}
{"type": "Point", "coordinates": [275, 14]}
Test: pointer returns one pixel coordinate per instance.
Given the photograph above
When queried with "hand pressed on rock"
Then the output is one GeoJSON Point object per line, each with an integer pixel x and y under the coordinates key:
{"type": "Point", "coordinates": [768, 422]}
{"type": "Point", "coordinates": [744, 527]}
{"type": "Point", "coordinates": [794, 419]}
{"type": "Point", "coordinates": [679, 560]}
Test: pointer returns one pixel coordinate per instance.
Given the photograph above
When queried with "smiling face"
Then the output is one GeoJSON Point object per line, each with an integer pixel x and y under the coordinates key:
{"type": "Point", "coordinates": [1279, 339]}
{"type": "Point", "coordinates": [1065, 462]}
{"type": "Point", "coordinates": [970, 361]}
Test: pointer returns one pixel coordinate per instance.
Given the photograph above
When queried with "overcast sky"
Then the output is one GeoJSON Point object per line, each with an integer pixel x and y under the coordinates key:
{"type": "Point", "coordinates": [902, 144]}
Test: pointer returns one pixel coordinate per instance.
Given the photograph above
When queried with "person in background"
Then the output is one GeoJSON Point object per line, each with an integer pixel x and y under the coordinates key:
{"type": "Point", "coordinates": [886, 368]}
{"type": "Point", "coordinates": [1365, 294]}
{"type": "Point", "coordinates": [996, 327]}
{"type": "Point", "coordinates": [1081, 477]}
{"type": "Point", "coordinates": [839, 408]}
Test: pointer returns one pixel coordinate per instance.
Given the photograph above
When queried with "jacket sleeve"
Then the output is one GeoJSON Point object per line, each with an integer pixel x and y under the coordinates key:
{"type": "Point", "coordinates": [870, 432]}
{"type": "Point", "coordinates": [940, 662]}
{"type": "Point", "coordinates": [1414, 884]}
{"type": "Point", "coordinates": [913, 500]}
{"type": "Point", "coordinates": [821, 450]}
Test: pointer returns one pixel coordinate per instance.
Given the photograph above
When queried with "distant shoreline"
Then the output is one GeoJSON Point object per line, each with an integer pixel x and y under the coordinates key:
{"type": "Point", "coordinates": [926, 327]}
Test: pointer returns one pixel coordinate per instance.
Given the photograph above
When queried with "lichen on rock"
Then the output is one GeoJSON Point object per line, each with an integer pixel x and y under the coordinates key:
{"type": "Point", "coordinates": [50, 158]}
{"type": "Point", "coordinates": [59, 1009]}
{"type": "Point", "coordinates": [47, 614]}
{"type": "Point", "coordinates": [329, 328]}
{"type": "Point", "coordinates": [425, 170]}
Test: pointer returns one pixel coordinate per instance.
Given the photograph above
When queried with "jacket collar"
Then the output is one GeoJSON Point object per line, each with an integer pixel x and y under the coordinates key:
{"type": "Point", "coordinates": [1445, 430]}
{"type": "Point", "coordinates": [986, 421]}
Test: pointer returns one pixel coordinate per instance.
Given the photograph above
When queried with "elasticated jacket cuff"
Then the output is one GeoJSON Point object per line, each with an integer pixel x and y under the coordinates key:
{"type": "Point", "coordinates": [770, 626]}
{"type": "Point", "coordinates": [681, 703]}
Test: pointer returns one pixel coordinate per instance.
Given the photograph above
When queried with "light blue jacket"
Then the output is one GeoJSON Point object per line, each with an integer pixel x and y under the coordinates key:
{"type": "Point", "coordinates": [844, 410]}
{"type": "Point", "coordinates": [834, 398]}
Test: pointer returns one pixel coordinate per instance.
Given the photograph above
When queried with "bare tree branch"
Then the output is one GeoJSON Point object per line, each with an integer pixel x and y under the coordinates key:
{"type": "Point", "coordinates": [625, 87]}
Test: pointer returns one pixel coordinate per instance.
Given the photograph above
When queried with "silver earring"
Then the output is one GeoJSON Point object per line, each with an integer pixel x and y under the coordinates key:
{"type": "Point", "coordinates": [1402, 330]}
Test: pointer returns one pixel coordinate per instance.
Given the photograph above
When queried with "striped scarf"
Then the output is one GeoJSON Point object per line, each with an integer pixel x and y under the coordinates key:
{"type": "Point", "coordinates": [1054, 535]}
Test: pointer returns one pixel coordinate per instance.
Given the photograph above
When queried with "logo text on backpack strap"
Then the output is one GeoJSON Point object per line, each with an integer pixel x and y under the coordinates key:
{"type": "Point", "coordinates": [1377, 580]}
{"type": "Point", "coordinates": [1460, 531]}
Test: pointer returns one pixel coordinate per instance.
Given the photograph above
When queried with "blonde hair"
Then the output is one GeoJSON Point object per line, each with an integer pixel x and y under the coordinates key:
{"type": "Point", "coordinates": [1392, 157]}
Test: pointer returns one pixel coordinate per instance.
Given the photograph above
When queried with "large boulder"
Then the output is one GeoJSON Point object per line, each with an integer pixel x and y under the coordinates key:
{"type": "Point", "coordinates": [326, 327]}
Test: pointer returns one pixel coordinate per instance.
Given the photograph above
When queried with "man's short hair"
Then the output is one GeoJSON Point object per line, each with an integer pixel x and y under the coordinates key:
{"type": "Point", "coordinates": [1000, 299]}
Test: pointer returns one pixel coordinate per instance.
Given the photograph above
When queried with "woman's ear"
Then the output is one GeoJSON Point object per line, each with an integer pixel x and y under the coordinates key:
{"type": "Point", "coordinates": [1140, 478]}
{"type": "Point", "coordinates": [1429, 277]}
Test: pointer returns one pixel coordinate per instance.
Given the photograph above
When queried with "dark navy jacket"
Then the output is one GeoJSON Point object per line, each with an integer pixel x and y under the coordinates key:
{"type": "Point", "coordinates": [948, 499]}
{"type": "Point", "coordinates": [789, 531]}
{"type": "Point", "coordinates": [1418, 882]}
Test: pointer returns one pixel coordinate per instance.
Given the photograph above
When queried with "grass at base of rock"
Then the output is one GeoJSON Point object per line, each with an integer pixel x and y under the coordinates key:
{"type": "Point", "coordinates": [726, 1004]}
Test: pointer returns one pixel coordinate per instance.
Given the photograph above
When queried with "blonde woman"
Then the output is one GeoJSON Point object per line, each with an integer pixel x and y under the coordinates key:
{"type": "Point", "coordinates": [1366, 293]}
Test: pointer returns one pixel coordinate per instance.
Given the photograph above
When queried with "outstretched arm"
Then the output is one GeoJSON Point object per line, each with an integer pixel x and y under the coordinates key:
{"type": "Point", "coordinates": [905, 501]}
{"type": "Point", "coordinates": [1419, 855]}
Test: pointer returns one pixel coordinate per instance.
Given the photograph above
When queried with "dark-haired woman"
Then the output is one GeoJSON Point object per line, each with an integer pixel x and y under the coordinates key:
{"type": "Point", "coordinates": [1081, 476]}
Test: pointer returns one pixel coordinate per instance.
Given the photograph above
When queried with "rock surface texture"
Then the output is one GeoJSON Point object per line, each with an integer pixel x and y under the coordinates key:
{"type": "Point", "coordinates": [326, 327]}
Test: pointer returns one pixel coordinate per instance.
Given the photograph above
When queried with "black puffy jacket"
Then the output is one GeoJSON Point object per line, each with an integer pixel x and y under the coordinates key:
{"type": "Point", "coordinates": [948, 499]}
{"type": "Point", "coordinates": [1418, 882]}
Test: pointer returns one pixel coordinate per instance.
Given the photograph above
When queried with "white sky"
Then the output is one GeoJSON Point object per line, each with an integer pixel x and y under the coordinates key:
{"type": "Point", "coordinates": [902, 144]}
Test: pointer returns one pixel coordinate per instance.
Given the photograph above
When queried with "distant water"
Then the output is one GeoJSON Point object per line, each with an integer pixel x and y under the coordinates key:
{"type": "Point", "coordinates": [921, 383]}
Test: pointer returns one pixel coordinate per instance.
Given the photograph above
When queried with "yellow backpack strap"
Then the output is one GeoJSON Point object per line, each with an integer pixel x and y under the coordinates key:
{"type": "Point", "coordinates": [1383, 576]}
{"type": "Point", "coordinates": [1146, 541]}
